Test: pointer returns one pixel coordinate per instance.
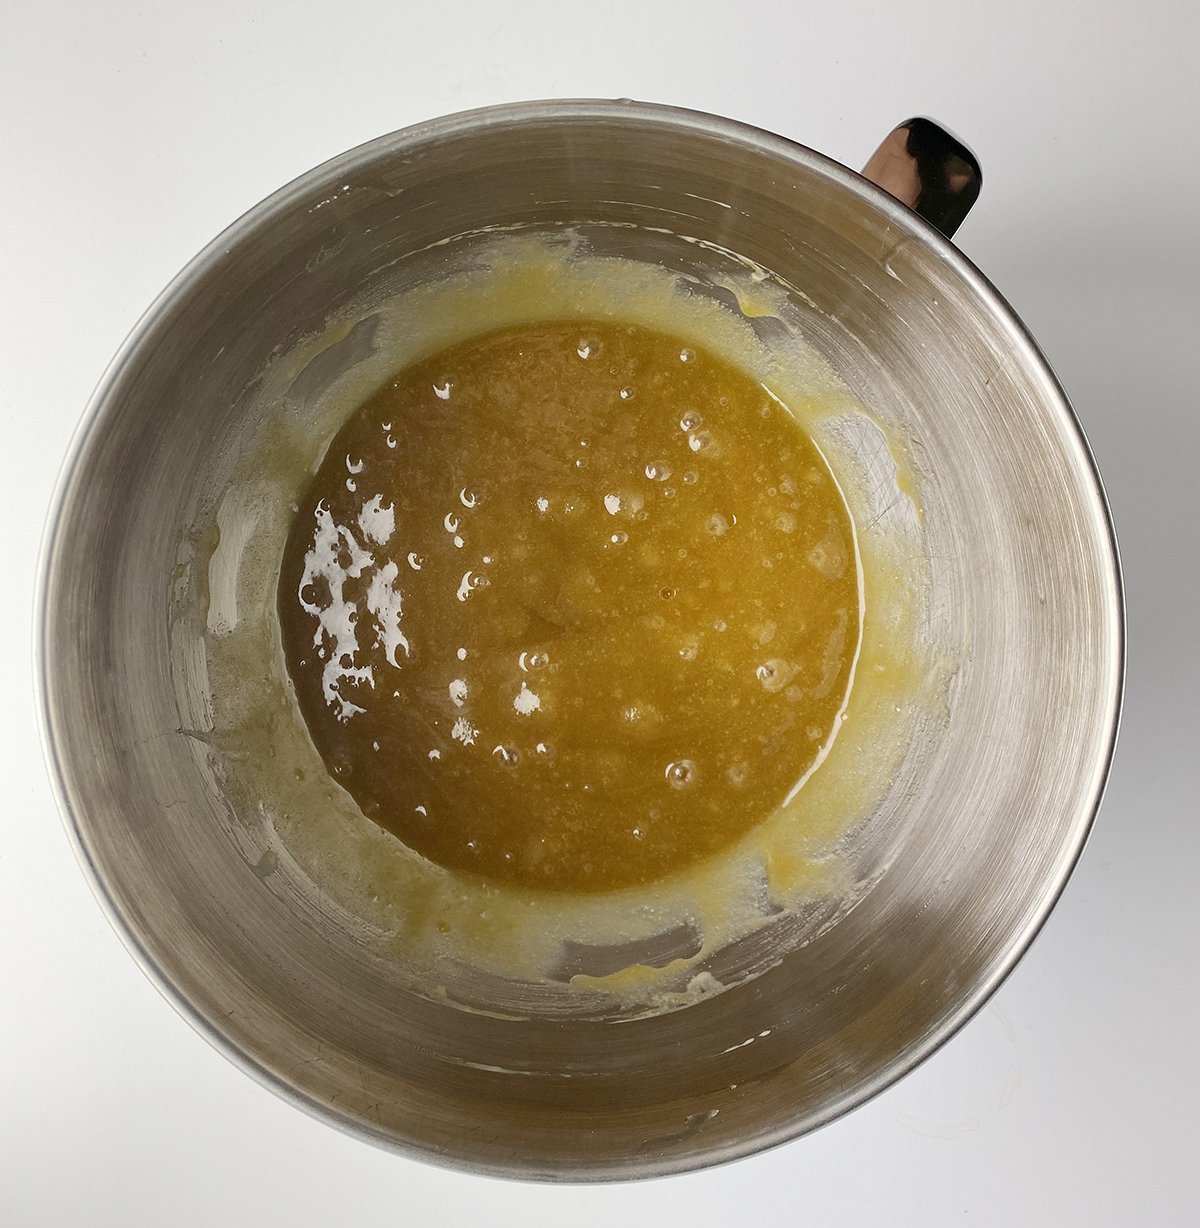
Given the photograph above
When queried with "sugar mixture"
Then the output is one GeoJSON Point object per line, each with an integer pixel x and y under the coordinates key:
{"type": "Point", "coordinates": [571, 606]}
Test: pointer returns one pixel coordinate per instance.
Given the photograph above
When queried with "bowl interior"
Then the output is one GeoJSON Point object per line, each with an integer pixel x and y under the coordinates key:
{"type": "Point", "coordinates": [1023, 584]}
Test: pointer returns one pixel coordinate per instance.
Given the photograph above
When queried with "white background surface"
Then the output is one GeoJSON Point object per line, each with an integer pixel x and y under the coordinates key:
{"type": "Point", "coordinates": [131, 134]}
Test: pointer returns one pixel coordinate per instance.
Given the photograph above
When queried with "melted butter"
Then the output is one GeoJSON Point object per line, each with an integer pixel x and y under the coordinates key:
{"type": "Point", "coordinates": [571, 606]}
{"type": "Point", "coordinates": [480, 943]}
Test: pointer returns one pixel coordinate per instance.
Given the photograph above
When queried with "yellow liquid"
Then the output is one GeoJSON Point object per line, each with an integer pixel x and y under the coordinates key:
{"type": "Point", "coordinates": [570, 606]}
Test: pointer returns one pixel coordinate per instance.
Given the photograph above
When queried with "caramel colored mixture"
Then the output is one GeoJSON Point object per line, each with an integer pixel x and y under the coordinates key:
{"type": "Point", "coordinates": [571, 606]}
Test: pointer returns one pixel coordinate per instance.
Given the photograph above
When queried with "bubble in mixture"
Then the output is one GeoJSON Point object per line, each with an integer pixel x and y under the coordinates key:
{"type": "Point", "coordinates": [658, 471]}
{"type": "Point", "coordinates": [690, 421]}
{"type": "Point", "coordinates": [717, 525]}
{"type": "Point", "coordinates": [627, 393]}
{"type": "Point", "coordinates": [508, 755]}
{"type": "Point", "coordinates": [469, 583]}
{"type": "Point", "coordinates": [775, 674]}
{"type": "Point", "coordinates": [681, 773]}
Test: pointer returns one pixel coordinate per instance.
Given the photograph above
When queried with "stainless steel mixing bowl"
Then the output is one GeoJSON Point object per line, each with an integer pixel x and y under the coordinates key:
{"type": "Point", "coordinates": [1027, 570]}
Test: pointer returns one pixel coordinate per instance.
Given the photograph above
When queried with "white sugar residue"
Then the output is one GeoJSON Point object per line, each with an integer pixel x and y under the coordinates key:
{"type": "Point", "coordinates": [463, 732]}
{"type": "Point", "coordinates": [384, 602]}
{"type": "Point", "coordinates": [526, 701]}
{"type": "Point", "coordinates": [377, 522]}
{"type": "Point", "coordinates": [458, 692]}
{"type": "Point", "coordinates": [543, 504]}
{"type": "Point", "coordinates": [237, 518]}
{"type": "Point", "coordinates": [435, 754]}
{"type": "Point", "coordinates": [335, 621]}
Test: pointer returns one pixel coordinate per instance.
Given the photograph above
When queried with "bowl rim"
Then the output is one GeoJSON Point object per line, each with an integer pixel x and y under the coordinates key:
{"type": "Point", "coordinates": [477, 122]}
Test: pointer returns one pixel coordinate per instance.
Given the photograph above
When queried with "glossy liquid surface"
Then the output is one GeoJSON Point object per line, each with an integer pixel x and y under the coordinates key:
{"type": "Point", "coordinates": [570, 606]}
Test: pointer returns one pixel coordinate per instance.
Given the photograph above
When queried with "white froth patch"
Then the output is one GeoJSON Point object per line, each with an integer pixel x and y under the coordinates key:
{"type": "Point", "coordinates": [384, 601]}
{"type": "Point", "coordinates": [336, 621]}
{"type": "Point", "coordinates": [377, 522]}
{"type": "Point", "coordinates": [463, 732]}
{"type": "Point", "coordinates": [613, 504]}
{"type": "Point", "coordinates": [526, 701]}
{"type": "Point", "coordinates": [458, 692]}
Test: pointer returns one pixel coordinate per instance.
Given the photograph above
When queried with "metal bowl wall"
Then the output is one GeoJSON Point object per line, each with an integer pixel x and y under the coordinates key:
{"type": "Point", "coordinates": [993, 831]}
